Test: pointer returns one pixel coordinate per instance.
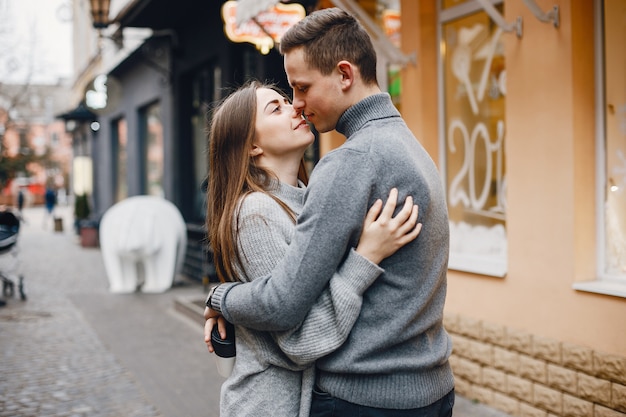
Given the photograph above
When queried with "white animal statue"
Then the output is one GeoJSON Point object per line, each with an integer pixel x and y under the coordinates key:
{"type": "Point", "coordinates": [142, 236]}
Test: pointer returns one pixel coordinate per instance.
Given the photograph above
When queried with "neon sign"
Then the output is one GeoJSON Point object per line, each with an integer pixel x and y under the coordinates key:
{"type": "Point", "coordinates": [266, 28]}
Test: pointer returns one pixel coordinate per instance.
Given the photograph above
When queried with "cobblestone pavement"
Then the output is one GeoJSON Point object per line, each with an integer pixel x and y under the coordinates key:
{"type": "Point", "coordinates": [73, 349]}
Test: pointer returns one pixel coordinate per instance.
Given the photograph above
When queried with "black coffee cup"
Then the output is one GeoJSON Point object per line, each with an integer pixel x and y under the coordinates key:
{"type": "Point", "coordinates": [224, 350]}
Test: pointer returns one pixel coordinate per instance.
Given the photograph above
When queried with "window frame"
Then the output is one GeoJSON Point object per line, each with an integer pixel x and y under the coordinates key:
{"type": "Point", "coordinates": [118, 181]}
{"type": "Point", "coordinates": [144, 116]}
{"type": "Point", "coordinates": [604, 283]}
{"type": "Point", "coordinates": [466, 263]}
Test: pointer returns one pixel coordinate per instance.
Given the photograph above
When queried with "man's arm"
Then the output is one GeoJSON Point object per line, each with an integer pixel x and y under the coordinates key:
{"type": "Point", "coordinates": [336, 203]}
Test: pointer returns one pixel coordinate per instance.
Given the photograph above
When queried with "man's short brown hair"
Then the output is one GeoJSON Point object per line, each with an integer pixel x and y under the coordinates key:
{"type": "Point", "coordinates": [328, 36]}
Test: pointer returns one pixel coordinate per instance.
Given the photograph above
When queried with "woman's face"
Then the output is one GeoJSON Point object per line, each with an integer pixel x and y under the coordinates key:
{"type": "Point", "coordinates": [280, 132]}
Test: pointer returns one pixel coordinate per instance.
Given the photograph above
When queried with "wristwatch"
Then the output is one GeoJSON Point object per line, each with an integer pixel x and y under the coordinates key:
{"type": "Point", "coordinates": [208, 298]}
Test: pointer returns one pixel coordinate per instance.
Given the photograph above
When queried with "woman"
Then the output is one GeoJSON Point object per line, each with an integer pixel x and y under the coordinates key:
{"type": "Point", "coordinates": [255, 193]}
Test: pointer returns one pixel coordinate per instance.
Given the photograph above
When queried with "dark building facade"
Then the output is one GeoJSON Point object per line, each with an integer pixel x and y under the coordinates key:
{"type": "Point", "coordinates": [152, 136]}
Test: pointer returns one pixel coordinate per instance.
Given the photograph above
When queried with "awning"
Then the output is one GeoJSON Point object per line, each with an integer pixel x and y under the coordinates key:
{"type": "Point", "coordinates": [154, 14]}
{"type": "Point", "coordinates": [81, 113]}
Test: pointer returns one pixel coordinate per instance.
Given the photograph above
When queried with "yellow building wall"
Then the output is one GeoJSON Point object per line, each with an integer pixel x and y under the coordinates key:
{"type": "Point", "coordinates": [528, 343]}
{"type": "Point", "coordinates": [550, 121]}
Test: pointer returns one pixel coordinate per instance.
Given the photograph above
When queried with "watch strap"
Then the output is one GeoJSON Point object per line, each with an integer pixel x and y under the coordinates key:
{"type": "Point", "coordinates": [209, 297]}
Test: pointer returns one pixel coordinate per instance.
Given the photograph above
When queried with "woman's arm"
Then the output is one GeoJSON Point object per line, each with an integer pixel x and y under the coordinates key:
{"type": "Point", "coordinates": [328, 323]}
{"type": "Point", "coordinates": [263, 240]}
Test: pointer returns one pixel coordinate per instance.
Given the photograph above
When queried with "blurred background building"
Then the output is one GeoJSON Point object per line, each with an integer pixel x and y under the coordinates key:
{"type": "Point", "coordinates": [35, 150]}
{"type": "Point", "coordinates": [522, 104]}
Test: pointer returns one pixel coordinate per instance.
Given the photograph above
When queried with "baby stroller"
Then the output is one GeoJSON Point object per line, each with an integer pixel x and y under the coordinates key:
{"type": "Point", "coordinates": [9, 250]}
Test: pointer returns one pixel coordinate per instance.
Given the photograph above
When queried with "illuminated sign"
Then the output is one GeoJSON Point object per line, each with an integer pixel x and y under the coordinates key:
{"type": "Point", "coordinates": [391, 24]}
{"type": "Point", "coordinates": [266, 28]}
{"type": "Point", "coordinates": [102, 94]}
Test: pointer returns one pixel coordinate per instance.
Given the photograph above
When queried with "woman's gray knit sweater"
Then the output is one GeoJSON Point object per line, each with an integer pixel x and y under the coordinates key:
{"type": "Point", "coordinates": [273, 375]}
{"type": "Point", "coordinates": [396, 355]}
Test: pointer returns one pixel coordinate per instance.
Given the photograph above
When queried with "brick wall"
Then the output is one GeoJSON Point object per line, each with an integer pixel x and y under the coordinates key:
{"type": "Point", "coordinates": [530, 376]}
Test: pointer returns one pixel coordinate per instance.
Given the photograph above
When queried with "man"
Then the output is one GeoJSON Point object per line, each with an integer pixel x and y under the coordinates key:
{"type": "Point", "coordinates": [395, 361]}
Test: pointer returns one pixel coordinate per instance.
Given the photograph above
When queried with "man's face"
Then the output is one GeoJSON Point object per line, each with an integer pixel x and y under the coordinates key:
{"type": "Point", "coordinates": [319, 97]}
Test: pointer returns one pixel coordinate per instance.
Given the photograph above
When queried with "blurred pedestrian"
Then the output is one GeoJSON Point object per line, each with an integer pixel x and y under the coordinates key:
{"type": "Point", "coordinates": [20, 204]}
{"type": "Point", "coordinates": [20, 200]}
{"type": "Point", "coordinates": [50, 200]}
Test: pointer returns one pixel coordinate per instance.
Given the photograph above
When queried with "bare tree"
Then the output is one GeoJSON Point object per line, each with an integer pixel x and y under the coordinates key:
{"type": "Point", "coordinates": [18, 64]}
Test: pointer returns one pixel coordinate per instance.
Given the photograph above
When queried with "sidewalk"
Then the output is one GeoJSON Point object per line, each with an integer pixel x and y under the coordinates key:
{"type": "Point", "coordinates": [73, 349]}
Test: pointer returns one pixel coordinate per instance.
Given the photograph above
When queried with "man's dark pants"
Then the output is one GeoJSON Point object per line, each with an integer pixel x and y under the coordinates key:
{"type": "Point", "coordinates": [325, 405]}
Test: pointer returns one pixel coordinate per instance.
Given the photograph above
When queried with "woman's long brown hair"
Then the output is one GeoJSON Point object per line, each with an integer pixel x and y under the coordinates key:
{"type": "Point", "coordinates": [233, 174]}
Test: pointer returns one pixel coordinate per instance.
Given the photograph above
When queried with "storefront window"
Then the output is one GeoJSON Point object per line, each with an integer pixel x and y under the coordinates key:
{"type": "Point", "coordinates": [474, 91]}
{"type": "Point", "coordinates": [154, 150]}
{"type": "Point", "coordinates": [121, 159]}
{"type": "Point", "coordinates": [614, 140]}
{"type": "Point", "coordinates": [205, 88]}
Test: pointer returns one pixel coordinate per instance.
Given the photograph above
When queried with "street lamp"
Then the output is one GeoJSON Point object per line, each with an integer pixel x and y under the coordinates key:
{"type": "Point", "coordinates": [100, 13]}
